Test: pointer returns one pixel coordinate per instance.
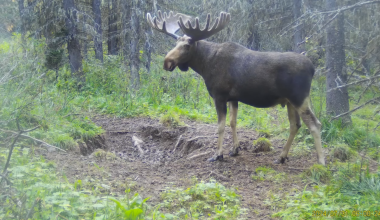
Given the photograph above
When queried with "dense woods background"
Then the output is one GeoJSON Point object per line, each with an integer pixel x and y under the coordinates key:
{"type": "Point", "coordinates": [63, 61]}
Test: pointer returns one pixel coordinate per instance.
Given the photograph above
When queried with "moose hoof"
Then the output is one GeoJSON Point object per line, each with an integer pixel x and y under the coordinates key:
{"type": "Point", "coordinates": [281, 160]}
{"type": "Point", "coordinates": [234, 152]}
{"type": "Point", "coordinates": [215, 158]}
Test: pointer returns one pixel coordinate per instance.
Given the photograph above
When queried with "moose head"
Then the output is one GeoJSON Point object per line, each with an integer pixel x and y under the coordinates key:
{"type": "Point", "coordinates": [184, 49]}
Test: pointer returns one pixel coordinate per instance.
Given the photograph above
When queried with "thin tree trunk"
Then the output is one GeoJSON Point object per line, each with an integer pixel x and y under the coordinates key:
{"type": "Point", "coordinates": [98, 46]}
{"type": "Point", "coordinates": [336, 100]}
{"type": "Point", "coordinates": [73, 46]}
{"type": "Point", "coordinates": [126, 28]}
{"type": "Point", "coordinates": [112, 28]}
{"type": "Point", "coordinates": [147, 50]}
{"type": "Point", "coordinates": [134, 46]}
{"type": "Point", "coordinates": [85, 42]}
{"type": "Point", "coordinates": [22, 28]}
{"type": "Point", "coordinates": [298, 32]}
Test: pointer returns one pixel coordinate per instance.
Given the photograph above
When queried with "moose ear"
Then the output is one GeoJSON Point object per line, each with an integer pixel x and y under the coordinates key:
{"type": "Point", "coordinates": [183, 67]}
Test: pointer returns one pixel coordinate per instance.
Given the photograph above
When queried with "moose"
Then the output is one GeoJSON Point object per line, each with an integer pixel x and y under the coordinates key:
{"type": "Point", "coordinates": [233, 73]}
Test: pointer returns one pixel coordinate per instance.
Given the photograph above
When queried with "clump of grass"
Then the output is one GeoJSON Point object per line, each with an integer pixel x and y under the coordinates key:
{"type": "Point", "coordinates": [342, 152]}
{"type": "Point", "coordinates": [267, 173]}
{"type": "Point", "coordinates": [318, 173]}
{"type": "Point", "coordinates": [264, 133]}
{"type": "Point", "coordinates": [102, 154]}
{"type": "Point", "coordinates": [262, 145]}
{"type": "Point", "coordinates": [171, 119]}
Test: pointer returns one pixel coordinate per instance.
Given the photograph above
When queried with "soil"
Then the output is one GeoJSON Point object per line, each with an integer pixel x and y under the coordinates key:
{"type": "Point", "coordinates": [173, 156]}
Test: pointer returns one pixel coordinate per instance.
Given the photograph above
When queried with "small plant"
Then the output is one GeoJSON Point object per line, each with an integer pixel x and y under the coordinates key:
{"type": "Point", "coordinates": [342, 152]}
{"type": "Point", "coordinates": [262, 145]}
{"type": "Point", "coordinates": [264, 133]}
{"type": "Point", "coordinates": [171, 119]}
{"type": "Point", "coordinates": [318, 173]}
{"type": "Point", "coordinates": [204, 200]}
{"type": "Point", "coordinates": [101, 154]}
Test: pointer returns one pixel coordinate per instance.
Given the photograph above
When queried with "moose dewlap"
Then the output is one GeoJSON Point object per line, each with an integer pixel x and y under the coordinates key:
{"type": "Point", "coordinates": [233, 73]}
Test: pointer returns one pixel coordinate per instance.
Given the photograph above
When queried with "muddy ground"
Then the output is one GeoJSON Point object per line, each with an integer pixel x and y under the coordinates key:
{"type": "Point", "coordinates": [173, 156]}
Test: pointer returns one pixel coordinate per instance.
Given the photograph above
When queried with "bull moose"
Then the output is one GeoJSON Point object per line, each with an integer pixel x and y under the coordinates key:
{"type": "Point", "coordinates": [233, 73]}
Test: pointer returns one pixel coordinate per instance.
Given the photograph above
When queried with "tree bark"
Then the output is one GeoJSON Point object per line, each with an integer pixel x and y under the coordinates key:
{"type": "Point", "coordinates": [112, 28]}
{"type": "Point", "coordinates": [98, 46]}
{"type": "Point", "coordinates": [147, 50]}
{"type": "Point", "coordinates": [126, 27]}
{"type": "Point", "coordinates": [298, 32]}
{"type": "Point", "coordinates": [336, 100]}
{"type": "Point", "coordinates": [134, 46]}
{"type": "Point", "coordinates": [85, 42]}
{"type": "Point", "coordinates": [73, 46]}
{"type": "Point", "coordinates": [22, 27]}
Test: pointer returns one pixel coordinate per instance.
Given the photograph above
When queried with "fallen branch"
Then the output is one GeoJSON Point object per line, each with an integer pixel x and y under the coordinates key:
{"type": "Point", "coordinates": [123, 131]}
{"type": "Point", "coordinates": [194, 138]}
{"type": "Point", "coordinates": [32, 208]}
{"type": "Point", "coordinates": [219, 175]}
{"type": "Point", "coordinates": [373, 161]}
{"type": "Point", "coordinates": [361, 106]}
{"type": "Point", "coordinates": [354, 83]}
{"type": "Point", "coordinates": [5, 178]}
{"type": "Point", "coordinates": [137, 143]}
{"type": "Point", "coordinates": [198, 155]}
{"type": "Point", "coordinates": [35, 139]}
{"type": "Point", "coordinates": [176, 145]}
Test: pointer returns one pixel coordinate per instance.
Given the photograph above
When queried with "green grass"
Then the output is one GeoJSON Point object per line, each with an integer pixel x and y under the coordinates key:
{"type": "Point", "coordinates": [351, 189]}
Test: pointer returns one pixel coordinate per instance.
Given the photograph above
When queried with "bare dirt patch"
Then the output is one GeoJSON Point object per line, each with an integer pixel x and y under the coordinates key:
{"type": "Point", "coordinates": [173, 156]}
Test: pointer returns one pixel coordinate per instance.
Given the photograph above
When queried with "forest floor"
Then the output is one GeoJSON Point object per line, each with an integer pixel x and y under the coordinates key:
{"type": "Point", "coordinates": [172, 157]}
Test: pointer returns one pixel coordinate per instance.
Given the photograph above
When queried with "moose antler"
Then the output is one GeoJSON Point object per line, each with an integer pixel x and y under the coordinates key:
{"type": "Point", "coordinates": [167, 23]}
{"type": "Point", "coordinates": [197, 34]}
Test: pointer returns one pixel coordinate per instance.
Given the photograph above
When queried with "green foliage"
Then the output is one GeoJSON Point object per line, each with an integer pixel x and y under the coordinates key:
{"type": "Point", "coordinates": [349, 190]}
{"type": "Point", "coordinates": [171, 119]}
{"type": "Point", "coordinates": [37, 185]}
{"type": "Point", "coordinates": [318, 173]}
{"type": "Point", "coordinates": [269, 174]}
{"type": "Point", "coordinates": [262, 145]}
{"type": "Point", "coordinates": [204, 200]}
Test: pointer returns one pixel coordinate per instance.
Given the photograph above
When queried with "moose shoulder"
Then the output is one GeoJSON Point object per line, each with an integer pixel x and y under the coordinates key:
{"type": "Point", "coordinates": [233, 73]}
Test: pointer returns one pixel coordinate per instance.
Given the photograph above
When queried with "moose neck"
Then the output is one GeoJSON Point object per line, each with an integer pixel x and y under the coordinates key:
{"type": "Point", "coordinates": [203, 53]}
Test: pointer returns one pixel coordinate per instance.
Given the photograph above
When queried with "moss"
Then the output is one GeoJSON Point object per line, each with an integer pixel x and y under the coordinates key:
{"type": "Point", "coordinates": [262, 145]}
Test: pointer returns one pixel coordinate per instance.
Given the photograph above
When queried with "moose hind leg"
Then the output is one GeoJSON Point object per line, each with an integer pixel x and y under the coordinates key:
{"type": "Point", "coordinates": [221, 110]}
{"type": "Point", "coordinates": [314, 126]}
{"type": "Point", "coordinates": [295, 124]}
{"type": "Point", "coordinates": [233, 114]}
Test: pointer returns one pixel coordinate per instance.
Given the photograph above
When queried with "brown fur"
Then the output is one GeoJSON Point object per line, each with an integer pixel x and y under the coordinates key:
{"type": "Point", "coordinates": [233, 73]}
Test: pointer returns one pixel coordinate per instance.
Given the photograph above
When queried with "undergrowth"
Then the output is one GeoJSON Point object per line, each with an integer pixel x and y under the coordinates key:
{"type": "Point", "coordinates": [353, 193]}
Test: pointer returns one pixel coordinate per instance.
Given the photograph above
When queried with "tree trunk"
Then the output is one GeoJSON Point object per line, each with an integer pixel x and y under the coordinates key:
{"type": "Point", "coordinates": [298, 32]}
{"type": "Point", "coordinates": [126, 26]}
{"type": "Point", "coordinates": [112, 28]}
{"type": "Point", "coordinates": [148, 50]}
{"type": "Point", "coordinates": [336, 100]}
{"type": "Point", "coordinates": [22, 28]}
{"type": "Point", "coordinates": [85, 42]}
{"type": "Point", "coordinates": [134, 46]}
{"type": "Point", "coordinates": [98, 46]}
{"type": "Point", "coordinates": [73, 46]}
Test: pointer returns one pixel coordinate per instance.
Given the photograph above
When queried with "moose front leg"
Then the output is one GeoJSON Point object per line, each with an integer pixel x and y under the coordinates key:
{"type": "Point", "coordinates": [221, 110]}
{"type": "Point", "coordinates": [233, 114]}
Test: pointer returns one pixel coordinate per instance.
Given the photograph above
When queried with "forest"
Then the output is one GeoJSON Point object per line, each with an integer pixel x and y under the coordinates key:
{"type": "Point", "coordinates": [92, 126]}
